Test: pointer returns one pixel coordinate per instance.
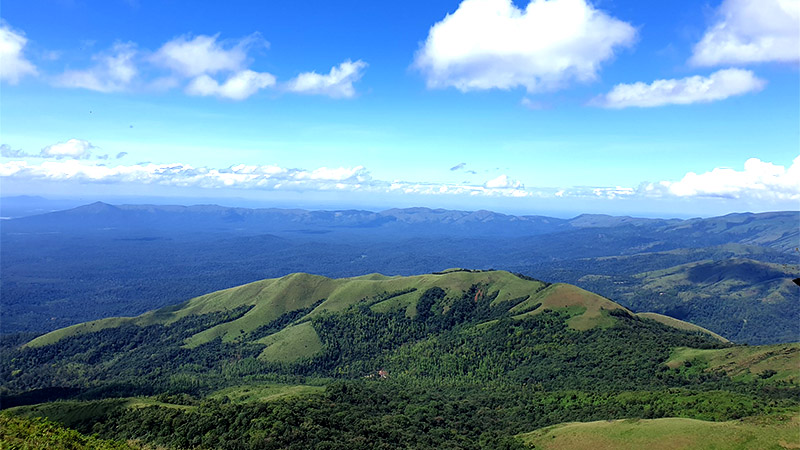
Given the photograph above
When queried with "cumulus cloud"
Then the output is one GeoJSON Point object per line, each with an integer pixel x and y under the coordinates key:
{"type": "Point", "coordinates": [751, 31]}
{"type": "Point", "coordinates": [338, 83]}
{"type": "Point", "coordinates": [758, 180]}
{"type": "Point", "coordinates": [489, 44]}
{"type": "Point", "coordinates": [458, 166]}
{"type": "Point", "coordinates": [121, 155]}
{"type": "Point", "coordinates": [73, 148]}
{"type": "Point", "coordinates": [238, 86]}
{"type": "Point", "coordinates": [203, 55]}
{"type": "Point", "coordinates": [202, 65]}
{"type": "Point", "coordinates": [503, 182]}
{"type": "Point", "coordinates": [697, 89]}
{"type": "Point", "coordinates": [114, 71]}
{"type": "Point", "coordinates": [14, 66]}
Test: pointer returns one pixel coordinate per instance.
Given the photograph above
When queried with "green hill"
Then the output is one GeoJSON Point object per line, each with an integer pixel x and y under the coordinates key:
{"type": "Point", "coordinates": [311, 295]}
{"type": "Point", "coordinates": [455, 359]}
{"type": "Point", "coordinates": [775, 362]}
{"type": "Point", "coordinates": [670, 434]}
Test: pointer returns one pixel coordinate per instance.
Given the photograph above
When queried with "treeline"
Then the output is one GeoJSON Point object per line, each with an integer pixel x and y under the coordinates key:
{"type": "Point", "coordinates": [393, 414]}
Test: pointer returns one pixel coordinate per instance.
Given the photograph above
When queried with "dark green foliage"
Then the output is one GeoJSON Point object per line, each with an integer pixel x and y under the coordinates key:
{"type": "Point", "coordinates": [543, 350]}
{"type": "Point", "coordinates": [41, 434]}
{"type": "Point", "coordinates": [126, 360]}
{"type": "Point", "coordinates": [426, 302]}
{"type": "Point", "coordinates": [393, 414]}
{"type": "Point", "coordinates": [283, 320]}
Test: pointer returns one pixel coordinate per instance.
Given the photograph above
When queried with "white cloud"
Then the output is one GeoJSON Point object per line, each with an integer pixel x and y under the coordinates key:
{"type": "Point", "coordinates": [338, 83]}
{"type": "Point", "coordinates": [758, 180]}
{"type": "Point", "coordinates": [14, 65]}
{"type": "Point", "coordinates": [762, 181]}
{"type": "Point", "coordinates": [203, 65]}
{"type": "Point", "coordinates": [751, 31]}
{"type": "Point", "coordinates": [203, 55]}
{"type": "Point", "coordinates": [113, 72]}
{"type": "Point", "coordinates": [489, 44]}
{"type": "Point", "coordinates": [238, 86]}
{"type": "Point", "coordinates": [718, 86]}
{"type": "Point", "coordinates": [73, 148]}
{"type": "Point", "coordinates": [503, 182]}
{"type": "Point", "coordinates": [242, 176]}
{"type": "Point", "coordinates": [607, 192]}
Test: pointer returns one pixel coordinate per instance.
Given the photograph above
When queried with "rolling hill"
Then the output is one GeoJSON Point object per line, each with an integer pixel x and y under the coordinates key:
{"type": "Point", "coordinates": [305, 296]}
{"type": "Point", "coordinates": [458, 358]}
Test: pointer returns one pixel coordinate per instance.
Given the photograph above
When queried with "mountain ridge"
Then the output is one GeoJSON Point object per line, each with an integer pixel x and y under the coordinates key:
{"type": "Point", "coordinates": [269, 299]}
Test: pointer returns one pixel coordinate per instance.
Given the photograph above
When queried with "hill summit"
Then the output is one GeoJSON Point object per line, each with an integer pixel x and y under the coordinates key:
{"type": "Point", "coordinates": [287, 305]}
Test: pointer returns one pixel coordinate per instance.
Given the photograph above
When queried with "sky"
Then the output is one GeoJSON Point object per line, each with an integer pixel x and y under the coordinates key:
{"type": "Point", "coordinates": [664, 108]}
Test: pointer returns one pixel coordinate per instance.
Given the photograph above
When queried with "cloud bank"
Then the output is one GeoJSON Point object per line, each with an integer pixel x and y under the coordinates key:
{"type": "Point", "coordinates": [241, 176]}
{"type": "Point", "coordinates": [697, 89]}
{"type": "Point", "coordinates": [751, 31]}
{"type": "Point", "coordinates": [489, 44]}
{"type": "Point", "coordinates": [758, 180]}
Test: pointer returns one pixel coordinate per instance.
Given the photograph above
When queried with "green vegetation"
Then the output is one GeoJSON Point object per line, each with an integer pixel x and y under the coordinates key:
{"type": "Point", "coordinates": [670, 434]}
{"type": "Point", "coordinates": [773, 362]}
{"type": "Point", "coordinates": [19, 433]}
{"type": "Point", "coordinates": [740, 298]}
{"type": "Point", "coordinates": [264, 392]}
{"type": "Point", "coordinates": [461, 359]}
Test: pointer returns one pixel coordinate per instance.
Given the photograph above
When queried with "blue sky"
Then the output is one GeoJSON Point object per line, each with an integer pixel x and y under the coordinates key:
{"type": "Point", "coordinates": [656, 108]}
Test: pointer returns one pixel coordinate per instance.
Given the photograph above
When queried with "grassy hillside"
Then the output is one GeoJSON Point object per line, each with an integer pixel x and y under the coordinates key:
{"type": "Point", "coordinates": [773, 362]}
{"type": "Point", "coordinates": [312, 295]}
{"type": "Point", "coordinates": [670, 434]}
{"type": "Point", "coordinates": [673, 322]}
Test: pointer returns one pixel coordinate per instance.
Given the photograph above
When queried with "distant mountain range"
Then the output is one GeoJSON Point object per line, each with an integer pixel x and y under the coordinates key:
{"type": "Point", "coordinates": [778, 230]}
{"type": "Point", "coordinates": [102, 260]}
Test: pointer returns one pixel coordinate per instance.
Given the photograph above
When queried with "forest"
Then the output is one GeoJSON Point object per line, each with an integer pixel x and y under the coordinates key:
{"type": "Point", "coordinates": [463, 372]}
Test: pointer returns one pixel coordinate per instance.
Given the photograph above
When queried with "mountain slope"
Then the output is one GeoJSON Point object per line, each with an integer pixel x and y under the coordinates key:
{"type": "Point", "coordinates": [455, 359]}
{"type": "Point", "coordinates": [740, 298]}
{"type": "Point", "coordinates": [669, 434]}
{"type": "Point", "coordinates": [312, 295]}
